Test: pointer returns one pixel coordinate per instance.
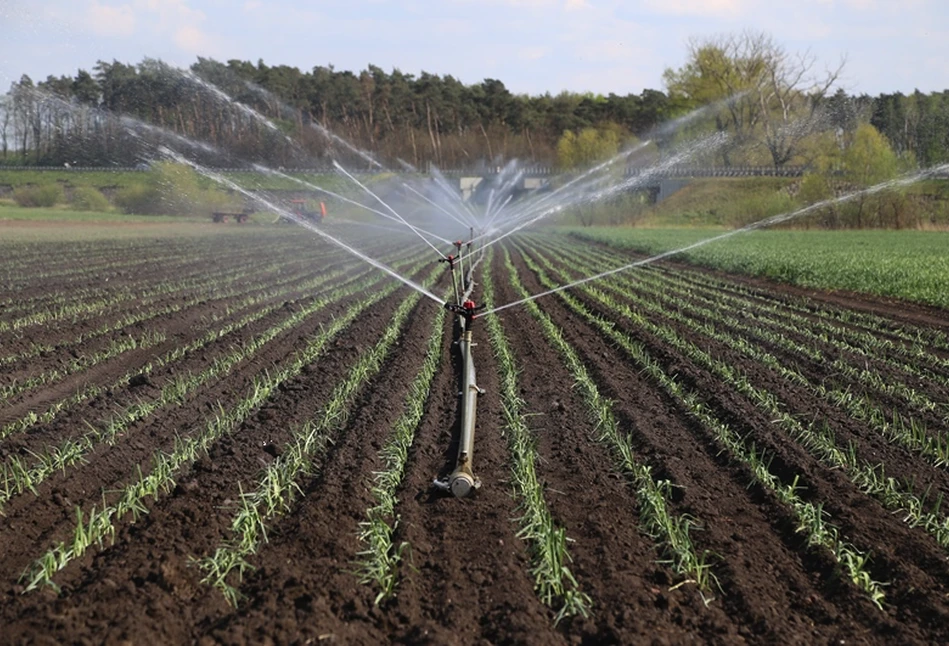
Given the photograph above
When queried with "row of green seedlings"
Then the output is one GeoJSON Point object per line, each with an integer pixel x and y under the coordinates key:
{"type": "Point", "coordinates": [91, 390]}
{"type": "Point", "coordinates": [277, 486]}
{"type": "Point", "coordinates": [17, 475]}
{"type": "Point", "coordinates": [99, 524]}
{"type": "Point", "coordinates": [547, 543]}
{"type": "Point", "coordinates": [812, 520]}
{"type": "Point", "coordinates": [81, 310]}
{"type": "Point", "coordinates": [819, 440]}
{"type": "Point", "coordinates": [88, 391]}
{"type": "Point", "coordinates": [922, 338]}
{"type": "Point", "coordinates": [907, 432]}
{"type": "Point", "coordinates": [273, 289]}
{"type": "Point", "coordinates": [82, 362]}
{"type": "Point", "coordinates": [379, 562]}
{"type": "Point", "coordinates": [915, 346]}
{"type": "Point", "coordinates": [867, 345]}
{"type": "Point", "coordinates": [138, 262]}
{"type": "Point", "coordinates": [672, 532]}
{"type": "Point", "coordinates": [102, 288]}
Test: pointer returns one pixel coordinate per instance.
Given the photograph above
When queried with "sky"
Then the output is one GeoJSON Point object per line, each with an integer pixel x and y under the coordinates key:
{"type": "Point", "coordinates": [532, 46]}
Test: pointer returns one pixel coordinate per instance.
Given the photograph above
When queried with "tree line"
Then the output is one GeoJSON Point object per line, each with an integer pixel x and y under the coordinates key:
{"type": "Point", "coordinates": [87, 119]}
{"type": "Point", "coordinates": [774, 107]}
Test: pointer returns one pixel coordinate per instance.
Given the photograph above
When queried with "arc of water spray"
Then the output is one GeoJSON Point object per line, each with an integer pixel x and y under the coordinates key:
{"type": "Point", "coordinates": [437, 206]}
{"type": "Point", "coordinates": [383, 203]}
{"type": "Point", "coordinates": [660, 131]}
{"type": "Point", "coordinates": [290, 216]}
{"type": "Point", "coordinates": [536, 206]}
{"type": "Point", "coordinates": [285, 109]}
{"type": "Point", "coordinates": [760, 224]}
{"type": "Point", "coordinates": [270, 171]}
{"type": "Point", "coordinates": [506, 188]}
{"type": "Point", "coordinates": [442, 184]}
{"type": "Point", "coordinates": [715, 139]}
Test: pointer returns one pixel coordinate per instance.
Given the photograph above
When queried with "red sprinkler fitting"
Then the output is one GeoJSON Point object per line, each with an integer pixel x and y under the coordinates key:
{"type": "Point", "coordinates": [467, 310]}
{"type": "Point", "coordinates": [450, 259]}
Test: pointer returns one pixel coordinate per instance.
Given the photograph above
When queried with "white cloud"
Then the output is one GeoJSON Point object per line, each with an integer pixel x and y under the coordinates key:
{"type": "Point", "coordinates": [172, 13]}
{"type": "Point", "coordinates": [533, 53]}
{"type": "Point", "coordinates": [697, 7]}
{"type": "Point", "coordinates": [192, 40]}
{"type": "Point", "coordinates": [108, 20]}
{"type": "Point", "coordinates": [602, 51]}
{"type": "Point", "coordinates": [575, 5]}
{"type": "Point", "coordinates": [253, 5]}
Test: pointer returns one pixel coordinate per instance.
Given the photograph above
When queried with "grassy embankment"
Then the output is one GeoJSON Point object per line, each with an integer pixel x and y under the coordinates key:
{"type": "Point", "coordinates": [120, 195]}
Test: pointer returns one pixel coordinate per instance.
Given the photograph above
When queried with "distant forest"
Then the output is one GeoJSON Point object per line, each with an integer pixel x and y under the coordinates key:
{"type": "Point", "coordinates": [102, 117]}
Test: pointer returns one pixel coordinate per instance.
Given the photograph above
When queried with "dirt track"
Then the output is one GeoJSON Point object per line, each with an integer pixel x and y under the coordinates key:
{"type": "Point", "coordinates": [466, 579]}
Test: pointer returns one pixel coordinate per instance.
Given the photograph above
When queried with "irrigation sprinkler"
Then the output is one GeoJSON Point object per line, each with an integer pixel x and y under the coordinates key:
{"type": "Point", "coordinates": [462, 481]}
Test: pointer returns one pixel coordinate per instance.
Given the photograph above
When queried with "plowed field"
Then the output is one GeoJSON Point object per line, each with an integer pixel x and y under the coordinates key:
{"type": "Point", "coordinates": [799, 440]}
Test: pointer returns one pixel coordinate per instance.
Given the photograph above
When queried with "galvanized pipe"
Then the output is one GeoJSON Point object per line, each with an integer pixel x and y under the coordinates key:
{"type": "Point", "coordinates": [462, 481]}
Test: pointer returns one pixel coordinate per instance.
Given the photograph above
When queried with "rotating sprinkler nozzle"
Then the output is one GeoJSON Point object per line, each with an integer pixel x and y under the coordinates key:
{"type": "Point", "coordinates": [462, 481]}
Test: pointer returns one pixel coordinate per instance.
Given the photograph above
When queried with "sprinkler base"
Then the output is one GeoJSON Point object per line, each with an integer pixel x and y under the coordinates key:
{"type": "Point", "coordinates": [460, 485]}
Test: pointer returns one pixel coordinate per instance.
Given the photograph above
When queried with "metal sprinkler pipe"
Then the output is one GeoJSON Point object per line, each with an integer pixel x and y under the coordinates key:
{"type": "Point", "coordinates": [462, 481]}
{"type": "Point", "coordinates": [451, 260]}
{"type": "Point", "coordinates": [461, 262]}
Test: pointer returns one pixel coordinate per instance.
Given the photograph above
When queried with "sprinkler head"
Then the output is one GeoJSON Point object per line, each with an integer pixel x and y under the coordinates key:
{"type": "Point", "coordinates": [467, 310]}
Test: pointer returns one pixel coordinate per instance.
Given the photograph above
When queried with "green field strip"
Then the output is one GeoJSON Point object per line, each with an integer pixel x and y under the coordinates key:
{"type": "Point", "coordinates": [912, 265]}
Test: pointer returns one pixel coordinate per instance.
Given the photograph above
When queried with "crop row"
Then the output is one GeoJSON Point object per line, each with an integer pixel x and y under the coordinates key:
{"type": "Point", "coordinates": [98, 525]}
{"type": "Point", "coordinates": [811, 518]}
{"type": "Point", "coordinates": [277, 487]}
{"type": "Point", "coordinates": [819, 439]}
{"type": "Point", "coordinates": [707, 318]}
{"type": "Point", "coordinates": [547, 541]}
{"type": "Point", "coordinates": [671, 531]}
{"type": "Point", "coordinates": [17, 476]}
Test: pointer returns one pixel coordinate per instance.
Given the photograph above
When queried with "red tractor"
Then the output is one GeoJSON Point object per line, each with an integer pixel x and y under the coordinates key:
{"type": "Point", "coordinates": [302, 210]}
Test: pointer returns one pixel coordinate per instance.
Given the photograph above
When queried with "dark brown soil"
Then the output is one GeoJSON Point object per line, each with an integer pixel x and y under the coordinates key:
{"type": "Point", "coordinates": [466, 575]}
